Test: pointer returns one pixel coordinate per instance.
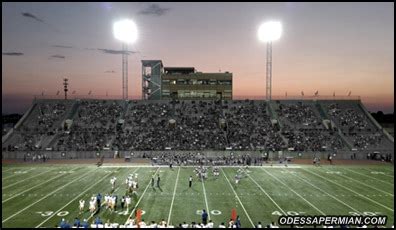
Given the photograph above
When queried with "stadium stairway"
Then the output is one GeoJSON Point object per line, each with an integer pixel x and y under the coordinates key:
{"type": "Point", "coordinates": [50, 141]}
{"type": "Point", "coordinates": [271, 110]}
{"type": "Point", "coordinates": [273, 113]}
{"type": "Point", "coordinates": [125, 111]}
{"type": "Point", "coordinates": [225, 133]}
{"type": "Point", "coordinates": [343, 138]}
{"type": "Point", "coordinates": [371, 118]}
{"type": "Point", "coordinates": [274, 116]}
{"type": "Point", "coordinates": [73, 110]}
{"type": "Point", "coordinates": [19, 123]}
{"type": "Point", "coordinates": [321, 111]}
{"type": "Point", "coordinates": [324, 116]}
{"type": "Point", "coordinates": [283, 138]}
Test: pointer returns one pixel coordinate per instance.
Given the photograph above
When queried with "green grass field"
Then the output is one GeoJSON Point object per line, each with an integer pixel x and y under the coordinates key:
{"type": "Point", "coordinates": [40, 195]}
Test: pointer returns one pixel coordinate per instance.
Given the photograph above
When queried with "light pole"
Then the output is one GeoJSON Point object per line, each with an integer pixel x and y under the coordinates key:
{"type": "Point", "coordinates": [125, 31]}
{"type": "Point", "coordinates": [269, 32]}
{"type": "Point", "coordinates": [65, 84]}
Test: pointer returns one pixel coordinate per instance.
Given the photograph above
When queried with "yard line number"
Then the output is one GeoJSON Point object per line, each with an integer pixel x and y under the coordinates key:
{"type": "Point", "coordinates": [49, 213]}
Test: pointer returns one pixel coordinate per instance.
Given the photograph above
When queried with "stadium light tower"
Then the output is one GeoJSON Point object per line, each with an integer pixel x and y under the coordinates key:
{"type": "Point", "coordinates": [125, 31]}
{"type": "Point", "coordinates": [269, 32]}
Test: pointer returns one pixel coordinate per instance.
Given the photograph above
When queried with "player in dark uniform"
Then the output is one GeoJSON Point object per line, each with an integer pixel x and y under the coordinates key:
{"type": "Point", "coordinates": [204, 217]}
{"type": "Point", "coordinates": [122, 202]}
{"type": "Point", "coordinates": [100, 163]}
{"type": "Point", "coordinates": [330, 158]}
{"type": "Point", "coordinates": [98, 199]}
{"type": "Point", "coordinates": [152, 181]}
{"type": "Point", "coordinates": [190, 182]}
{"type": "Point", "coordinates": [158, 181]}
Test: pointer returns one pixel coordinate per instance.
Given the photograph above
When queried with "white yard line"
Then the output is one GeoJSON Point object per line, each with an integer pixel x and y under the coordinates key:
{"type": "Point", "coordinates": [206, 200]}
{"type": "Point", "coordinates": [379, 190]}
{"type": "Point", "coordinates": [389, 170]}
{"type": "Point", "coordinates": [386, 182]}
{"type": "Point", "coordinates": [7, 170]}
{"type": "Point", "coordinates": [327, 193]}
{"type": "Point", "coordinates": [140, 198]}
{"type": "Point", "coordinates": [350, 190]}
{"type": "Point", "coordinates": [268, 195]}
{"type": "Point", "coordinates": [389, 176]}
{"type": "Point", "coordinates": [24, 191]}
{"type": "Point", "coordinates": [173, 198]}
{"type": "Point", "coordinates": [27, 179]}
{"type": "Point", "coordinates": [295, 193]}
{"type": "Point", "coordinates": [78, 178]}
{"type": "Point", "coordinates": [72, 200]}
{"type": "Point", "coordinates": [236, 195]}
{"type": "Point", "coordinates": [381, 170]}
{"type": "Point", "coordinates": [17, 174]}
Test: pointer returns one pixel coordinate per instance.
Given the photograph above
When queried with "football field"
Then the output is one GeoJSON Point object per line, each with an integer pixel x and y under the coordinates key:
{"type": "Point", "coordinates": [41, 195]}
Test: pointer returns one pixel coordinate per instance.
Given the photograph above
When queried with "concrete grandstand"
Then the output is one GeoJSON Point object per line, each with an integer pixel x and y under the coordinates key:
{"type": "Point", "coordinates": [276, 129]}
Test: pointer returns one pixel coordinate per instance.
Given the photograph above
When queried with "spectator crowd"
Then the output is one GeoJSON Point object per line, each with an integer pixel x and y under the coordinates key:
{"type": "Point", "coordinates": [192, 125]}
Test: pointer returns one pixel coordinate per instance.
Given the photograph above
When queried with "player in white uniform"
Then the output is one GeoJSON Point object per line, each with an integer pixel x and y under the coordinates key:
{"type": "Point", "coordinates": [92, 205]}
{"type": "Point", "coordinates": [126, 182]}
{"type": "Point", "coordinates": [128, 202]}
{"type": "Point", "coordinates": [82, 203]}
{"type": "Point", "coordinates": [130, 176]}
{"type": "Point", "coordinates": [112, 182]}
{"type": "Point", "coordinates": [136, 180]}
{"type": "Point", "coordinates": [216, 172]}
{"type": "Point", "coordinates": [134, 186]}
{"type": "Point", "coordinates": [130, 185]}
{"type": "Point", "coordinates": [205, 173]}
{"type": "Point", "coordinates": [106, 201]}
{"type": "Point", "coordinates": [237, 178]}
{"type": "Point", "coordinates": [112, 203]}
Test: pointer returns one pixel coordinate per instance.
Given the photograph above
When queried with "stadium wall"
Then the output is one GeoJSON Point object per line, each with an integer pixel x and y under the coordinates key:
{"type": "Point", "coordinates": [344, 155]}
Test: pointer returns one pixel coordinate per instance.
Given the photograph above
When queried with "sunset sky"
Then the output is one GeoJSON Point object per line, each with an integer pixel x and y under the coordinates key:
{"type": "Point", "coordinates": [327, 47]}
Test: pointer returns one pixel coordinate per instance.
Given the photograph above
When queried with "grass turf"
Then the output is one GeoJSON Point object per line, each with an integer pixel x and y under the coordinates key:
{"type": "Point", "coordinates": [40, 195]}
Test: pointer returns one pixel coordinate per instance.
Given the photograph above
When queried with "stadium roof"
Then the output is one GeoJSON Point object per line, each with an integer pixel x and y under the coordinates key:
{"type": "Point", "coordinates": [183, 70]}
{"type": "Point", "coordinates": [151, 62]}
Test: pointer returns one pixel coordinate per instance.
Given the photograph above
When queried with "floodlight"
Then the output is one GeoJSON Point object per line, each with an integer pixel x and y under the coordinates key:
{"type": "Point", "coordinates": [125, 31]}
{"type": "Point", "coordinates": [270, 31]}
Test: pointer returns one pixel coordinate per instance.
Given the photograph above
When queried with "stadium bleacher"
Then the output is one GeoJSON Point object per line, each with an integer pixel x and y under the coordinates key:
{"type": "Point", "coordinates": [94, 125]}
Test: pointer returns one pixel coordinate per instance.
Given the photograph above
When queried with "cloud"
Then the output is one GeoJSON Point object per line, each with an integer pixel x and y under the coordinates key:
{"type": "Point", "coordinates": [13, 53]}
{"type": "Point", "coordinates": [110, 71]}
{"type": "Point", "coordinates": [155, 10]}
{"type": "Point", "coordinates": [108, 51]}
{"type": "Point", "coordinates": [61, 46]}
{"type": "Point", "coordinates": [29, 15]}
{"type": "Point", "coordinates": [58, 56]}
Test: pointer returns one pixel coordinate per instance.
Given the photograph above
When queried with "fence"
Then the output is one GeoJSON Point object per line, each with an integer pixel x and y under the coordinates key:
{"type": "Point", "coordinates": [141, 154]}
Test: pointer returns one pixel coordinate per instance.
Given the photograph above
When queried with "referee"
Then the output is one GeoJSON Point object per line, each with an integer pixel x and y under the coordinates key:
{"type": "Point", "coordinates": [190, 182]}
